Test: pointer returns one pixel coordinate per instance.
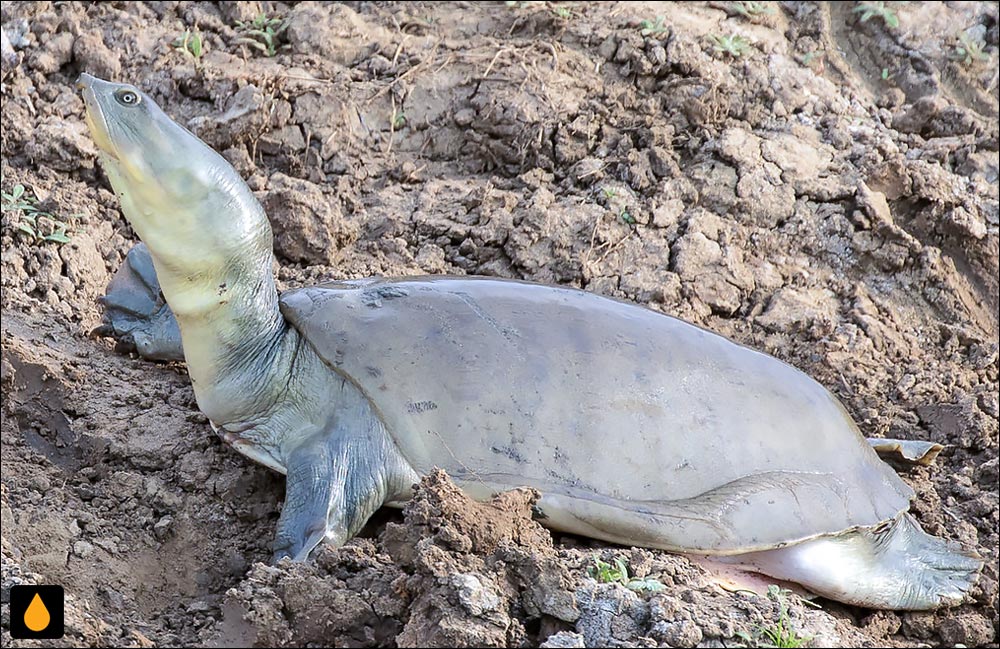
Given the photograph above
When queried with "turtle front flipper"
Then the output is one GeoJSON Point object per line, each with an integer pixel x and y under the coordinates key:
{"type": "Point", "coordinates": [336, 481]}
{"type": "Point", "coordinates": [135, 313]}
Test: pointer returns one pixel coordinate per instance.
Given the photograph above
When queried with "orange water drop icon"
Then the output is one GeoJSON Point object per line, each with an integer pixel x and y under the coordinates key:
{"type": "Point", "coordinates": [37, 616]}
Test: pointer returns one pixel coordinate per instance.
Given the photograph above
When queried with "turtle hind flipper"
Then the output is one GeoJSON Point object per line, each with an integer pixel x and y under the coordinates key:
{"type": "Point", "coordinates": [906, 451]}
{"type": "Point", "coordinates": [940, 573]}
{"type": "Point", "coordinates": [895, 565]}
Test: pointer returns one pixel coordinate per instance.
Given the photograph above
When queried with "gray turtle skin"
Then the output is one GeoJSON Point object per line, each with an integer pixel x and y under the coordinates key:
{"type": "Point", "coordinates": [635, 427]}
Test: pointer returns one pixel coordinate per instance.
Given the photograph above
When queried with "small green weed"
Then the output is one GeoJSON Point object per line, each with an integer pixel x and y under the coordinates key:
{"type": "Point", "coordinates": [30, 219]}
{"type": "Point", "coordinates": [607, 573]}
{"type": "Point", "coordinates": [617, 573]}
{"type": "Point", "coordinates": [562, 11]}
{"type": "Point", "coordinates": [733, 45]}
{"type": "Point", "coordinates": [780, 634]}
{"type": "Point", "coordinates": [813, 59]}
{"type": "Point", "coordinates": [869, 10]}
{"type": "Point", "coordinates": [655, 28]}
{"type": "Point", "coordinates": [609, 192]}
{"type": "Point", "coordinates": [751, 9]}
{"type": "Point", "coordinates": [398, 119]}
{"type": "Point", "coordinates": [969, 50]}
{"type": "Point", "coordinates": [191, 44]}
{"type": "Point", "coordinates": [262, 33]}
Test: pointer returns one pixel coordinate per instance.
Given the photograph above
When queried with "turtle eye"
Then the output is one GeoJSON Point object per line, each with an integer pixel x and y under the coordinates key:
{"type": "Point", "coordinates": [127, 97]}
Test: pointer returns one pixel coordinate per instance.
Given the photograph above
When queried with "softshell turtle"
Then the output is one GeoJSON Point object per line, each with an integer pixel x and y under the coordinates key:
{"type": "Point", "coordinates": [636, 427]}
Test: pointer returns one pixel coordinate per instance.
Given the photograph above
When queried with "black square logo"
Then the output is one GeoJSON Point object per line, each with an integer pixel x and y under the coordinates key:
{"type": "Point", "coordinates": [36, 612]}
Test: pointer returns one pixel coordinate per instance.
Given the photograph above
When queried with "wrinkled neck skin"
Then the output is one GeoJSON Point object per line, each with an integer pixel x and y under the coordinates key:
{"type": "Point", "coordinates": [211, 246]}
{"type": "Point", "coordinates": [232, 333]}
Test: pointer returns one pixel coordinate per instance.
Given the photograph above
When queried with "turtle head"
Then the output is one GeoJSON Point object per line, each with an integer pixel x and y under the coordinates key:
{"type": "Point", "coordinates": [185, 201]}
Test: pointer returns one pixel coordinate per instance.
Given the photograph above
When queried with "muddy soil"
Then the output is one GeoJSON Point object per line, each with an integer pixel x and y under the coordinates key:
{"type": "Point", "coordinates": [829, 196]}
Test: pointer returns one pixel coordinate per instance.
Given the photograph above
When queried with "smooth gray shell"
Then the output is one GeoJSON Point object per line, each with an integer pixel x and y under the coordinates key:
{"type": "Point", "coordinates": [636, 427]}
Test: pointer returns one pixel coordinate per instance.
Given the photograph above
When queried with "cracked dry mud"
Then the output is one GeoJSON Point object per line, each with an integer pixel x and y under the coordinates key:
{"type": "Point", "coordinates": [830, 197]}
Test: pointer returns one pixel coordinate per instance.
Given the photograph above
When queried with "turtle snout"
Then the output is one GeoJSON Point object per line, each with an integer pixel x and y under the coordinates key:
{"type": "Point", "coordinates": [85, 81]}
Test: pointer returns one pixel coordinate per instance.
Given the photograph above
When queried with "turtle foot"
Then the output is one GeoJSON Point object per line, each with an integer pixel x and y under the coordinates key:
{"type": "Point", "coordinates": [895, 565]}
{"type": "Point", "coordinates": [135, 314]}
{"type": "Point", "coordinates": [906, 451]}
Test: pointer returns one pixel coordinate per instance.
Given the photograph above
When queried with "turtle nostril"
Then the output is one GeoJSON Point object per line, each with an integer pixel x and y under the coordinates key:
{"type": "Point", "coordinates": [83, 81]}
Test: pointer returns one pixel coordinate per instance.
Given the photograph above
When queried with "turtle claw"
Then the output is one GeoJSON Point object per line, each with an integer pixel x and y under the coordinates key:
{"type": "Point", "coordinates": [135, 314]}
{"type": "Point", "coordinates": [102, 330]}
{"type": "Point", "coordinates": [282, 549]}
{"type": "Point", "coordinates": [298, 550]}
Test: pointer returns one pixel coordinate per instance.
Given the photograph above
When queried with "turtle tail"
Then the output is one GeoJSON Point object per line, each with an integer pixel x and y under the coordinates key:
{"type": "Point", "coordinates": [894, 565]}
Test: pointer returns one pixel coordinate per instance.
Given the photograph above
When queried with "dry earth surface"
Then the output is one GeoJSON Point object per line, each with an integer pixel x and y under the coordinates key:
{"type": "Point", "coordinates": [828, 196]}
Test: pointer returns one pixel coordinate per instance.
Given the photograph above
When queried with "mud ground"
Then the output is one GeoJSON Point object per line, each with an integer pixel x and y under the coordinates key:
{"type": "Point", "coordinates": [830, 196]}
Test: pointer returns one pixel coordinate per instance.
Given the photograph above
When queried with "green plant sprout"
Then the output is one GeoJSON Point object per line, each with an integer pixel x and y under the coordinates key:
{"type": "Point", "coordinates": [190, 43]}
{"type": "Point", "coordinates": [780, 634]}
{"type": "Point", "coordinates": [25, 206]}
{"type": "Point", "coordinates": [751, 9]}
{"type": "Point", "coordinates": [869, 10]}
{"type": "Point", "coordinates": [656, 27]}
{"type": "Point", "coordinates": [262, 33]}
{"type": "Point", "coordinates": [733, 45]}
{"type": "Point", "coordinates": [809, 59]}
{"type": "Point", "coordinates": [617, 573]}
{"type": "Point", "coordinates": [562, 11]}
{"type": "Point", "coordinates": [607, 573]}
{"type": "Point", "coordinates": [969, 49]}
